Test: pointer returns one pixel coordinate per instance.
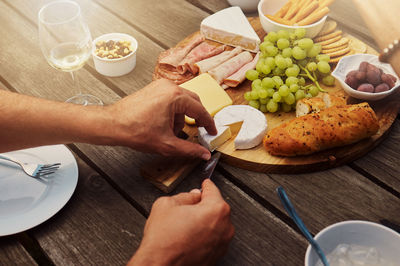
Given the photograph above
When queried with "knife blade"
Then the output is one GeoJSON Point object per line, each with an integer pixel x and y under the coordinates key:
{"type": "Point", "coordinates": [209, 166]}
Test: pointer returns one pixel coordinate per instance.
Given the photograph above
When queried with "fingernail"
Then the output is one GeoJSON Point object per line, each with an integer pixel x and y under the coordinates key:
{"type": "Point", "coordinates": [195, 190]}
{"type": "Point", "coordinates": [206, 156]}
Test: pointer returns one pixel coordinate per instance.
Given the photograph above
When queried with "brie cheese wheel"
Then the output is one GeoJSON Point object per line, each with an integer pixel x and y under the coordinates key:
{"type": "Point", "coordinates": [230, 26]}
{"type": "Point", "coordinates": [212, 142]}
{"type": "Point", "coordinates": [254, 124]}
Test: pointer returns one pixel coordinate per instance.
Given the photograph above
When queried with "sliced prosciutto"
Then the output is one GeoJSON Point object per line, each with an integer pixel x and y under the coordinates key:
{"type": "Point", "coordinates": [172, 57]}
{"type": "Point", "coordinates": [210, 63]}
{"type": "Point", "coordinates": [229, 67]}
{"type": "Point", "coordinates": [200, 52]}
{"type": "Point", "coordinates": [240, 75]}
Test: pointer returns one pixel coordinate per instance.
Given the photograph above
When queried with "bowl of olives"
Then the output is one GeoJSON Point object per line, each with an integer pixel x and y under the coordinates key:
{"type": "Point", "coordinates": [363, 76]}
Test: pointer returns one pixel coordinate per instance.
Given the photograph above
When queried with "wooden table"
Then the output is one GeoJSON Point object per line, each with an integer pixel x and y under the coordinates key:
{"type": "Point", "coordinates": [102, 224]}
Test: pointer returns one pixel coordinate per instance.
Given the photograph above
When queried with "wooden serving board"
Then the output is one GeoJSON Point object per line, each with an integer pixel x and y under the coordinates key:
{"type": "Point", "coordinates": [258, 159]}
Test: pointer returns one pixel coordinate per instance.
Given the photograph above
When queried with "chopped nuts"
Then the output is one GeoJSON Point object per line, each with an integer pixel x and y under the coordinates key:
{"type": "Point", "coordinates": [113, 49]}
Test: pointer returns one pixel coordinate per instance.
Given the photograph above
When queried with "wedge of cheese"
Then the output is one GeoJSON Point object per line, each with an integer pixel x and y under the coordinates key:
{"type": "Point", "coordinates": [249, 122]}
{"type": "Point", "coordinates": [211, 94]}
{"type": "Point", "coordinates": [230, 26]}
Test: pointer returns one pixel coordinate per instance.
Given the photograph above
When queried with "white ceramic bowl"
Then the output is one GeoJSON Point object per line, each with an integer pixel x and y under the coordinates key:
{"type": "Point", "coordinates": [352, 62]}
{"type": "Point", "coordinates": [245, 5]}
{"type": "Point", "coordinates": [270, 7]}
{"type": "Point", "coordinates": [115, 67]}
{"type": "Point", "coordinates": [362, 233]}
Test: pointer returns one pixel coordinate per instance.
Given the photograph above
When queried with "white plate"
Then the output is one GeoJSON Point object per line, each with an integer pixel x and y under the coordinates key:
{"type": "Point", "coordinates": [25, 201]}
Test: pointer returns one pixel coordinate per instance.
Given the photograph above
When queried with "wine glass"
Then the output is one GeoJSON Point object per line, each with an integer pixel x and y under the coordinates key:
{"type": "Point", "coordinates": [66, 42]}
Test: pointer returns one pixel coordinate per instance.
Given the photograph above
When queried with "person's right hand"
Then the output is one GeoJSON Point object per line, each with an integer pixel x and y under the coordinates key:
{"type": "Point", "coordinates": [186, 229]}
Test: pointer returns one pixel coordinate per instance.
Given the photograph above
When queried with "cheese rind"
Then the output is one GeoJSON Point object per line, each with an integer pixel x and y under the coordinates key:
{"type": "Point", "coordinates": [211, 94]}
{"type": "Point", "coordinates": [212, 142]}
{"type": "Point", "coordinates": [230, 26]}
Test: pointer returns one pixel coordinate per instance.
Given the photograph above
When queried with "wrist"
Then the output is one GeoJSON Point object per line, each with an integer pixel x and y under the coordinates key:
{"type": "Point", "coordinates": [154, 255]}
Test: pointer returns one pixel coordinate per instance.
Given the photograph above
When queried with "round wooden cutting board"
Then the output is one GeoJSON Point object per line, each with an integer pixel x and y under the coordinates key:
{"type": "Point", "coordinates": [258, 159]}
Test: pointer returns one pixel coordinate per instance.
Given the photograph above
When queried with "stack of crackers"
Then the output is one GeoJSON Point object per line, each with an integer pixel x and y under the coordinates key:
{"type": "Point", "coordinates": [335, 44]}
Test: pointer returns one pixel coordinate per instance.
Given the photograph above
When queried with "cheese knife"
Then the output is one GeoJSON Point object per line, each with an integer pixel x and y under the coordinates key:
{"type": "Point", "coordinates": [209, 167]}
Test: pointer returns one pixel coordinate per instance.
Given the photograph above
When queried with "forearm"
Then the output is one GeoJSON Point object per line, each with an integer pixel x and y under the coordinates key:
{"type": "Point", "coordinates": [27, 122]}
{"type": "Point", "coordinates": [381, 18]}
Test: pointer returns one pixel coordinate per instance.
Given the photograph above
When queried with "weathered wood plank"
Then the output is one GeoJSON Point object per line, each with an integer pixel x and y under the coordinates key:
{"type": "Point", "coordinates": [12, 253]}
{"type": "Point", "coordinates": [323, 198]}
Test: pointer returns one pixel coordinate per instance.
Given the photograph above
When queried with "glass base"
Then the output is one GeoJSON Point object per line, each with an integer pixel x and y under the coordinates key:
{"type": "Point", "coordinates": [84, 99]}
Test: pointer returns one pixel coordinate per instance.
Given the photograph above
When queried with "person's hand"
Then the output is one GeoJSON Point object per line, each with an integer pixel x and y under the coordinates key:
{"type": "Point", "coordinates": [150, 119]}
{"type": "Point", "coordinates": [186, 229]}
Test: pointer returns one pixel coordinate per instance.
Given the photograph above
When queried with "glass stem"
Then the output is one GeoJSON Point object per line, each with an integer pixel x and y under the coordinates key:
{"type": "Point", "coordinates": [75, 82]}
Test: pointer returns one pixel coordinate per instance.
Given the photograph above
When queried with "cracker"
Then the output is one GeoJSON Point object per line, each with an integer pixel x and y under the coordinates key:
{"type": "Point", "coordinates": [339, 52]}
{"type": "Point", "coordinates": [358, 46]}
{"type": "Point", "coordinates": [329, 27]}
{"type": "Point", "coordinates": [334, 39]}
{"type": "Point", "coordinates": [341, 42]}
{"type": "Point", "coordinates": [329, 51]}
{"type": "Point", "coordinates": [336, 59]}
{"type": "Point", "coordinates": [328, 36]}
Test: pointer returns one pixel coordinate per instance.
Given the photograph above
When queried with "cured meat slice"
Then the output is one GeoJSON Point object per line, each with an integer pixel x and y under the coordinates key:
{"type": "Point", "coordinates": [210, 63]}
{"type": "Point", "coordinates": [200, 52]}
{"type": "Point", "coordinates": [172, 57]}
{"type": "Point", "coordinates": [171, 74]}
{"type": "Point", "coordinates": [240, 75]}
{"type": "Point", "coordinates": [229, 67]}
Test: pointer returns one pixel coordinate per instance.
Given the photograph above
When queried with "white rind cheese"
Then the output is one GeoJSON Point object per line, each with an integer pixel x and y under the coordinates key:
{"type": "Point", "coordinates": [251, 133]}
{"type": "Point", "coordinates": [230, 26]}
{"type": "Point", "coordinates": [212, 142]}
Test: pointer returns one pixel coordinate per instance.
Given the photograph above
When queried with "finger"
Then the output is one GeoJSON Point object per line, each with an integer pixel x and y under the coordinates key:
{"type": "Point", "coordinates": [196, 190]}
{"type": "Point", "coordinates": [180, 147]}
{"type": "Point", "coordinates": [179, 123]}
{"type": "Point", "coordinates": [192, 94]}
{"type": "Point", "coordinates": [194, 109]}
{"type": "Point", "coordinates": [210, 192]}
{"type": "Point", "coordinates": [187, 198]}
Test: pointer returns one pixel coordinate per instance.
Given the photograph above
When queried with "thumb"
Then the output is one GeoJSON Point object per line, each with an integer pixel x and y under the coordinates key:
{"type": "Point", "coordinates": [187, 198]}
{"type": "Point", "coordinates": [187, 148]}
{"type": "Point", "coordinates": [210, 192]}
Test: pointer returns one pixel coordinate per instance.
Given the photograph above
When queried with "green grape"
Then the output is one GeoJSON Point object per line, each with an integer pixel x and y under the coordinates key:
{"type": "Point", "coordinates": [314, 51]}
{"type": "Point", "coordinates": [292, 71]}
{"type": "Point", "coordinates": [300, 94]}
{"type": "Point", "coordinates": [305, 43]}
{"type": "Point", "coordinates": [270, 61]}
{"type": "Point", "coordinates": [264, 45]}
{"type": "Point", "coordinates": [268, 83]}
{"type": "Point", "coordinates": [278, 71]}
{"type": "Point", "coordinates": [298, 53]}
{"type": "Point", "coordinates": [286, 107]}
{"type": "Point", "coordinates": [272, 50]}
{"type": "Point", "coordinates": [289, 99]}
{"type": "Point", "coordinates": [280, 62]}
{"type": "Point", "coordinates": [255, 104]}
{"type": "Point", "coordinates": [276, 97]}
{"type": "Point", "coordinates": [300, 33]}
{"type": "Point", "coordinates": [264, 100]}
{"type": "Point", "coordinates": [263, 108]}
{"type": "Point", "coordinates": [283, 90]}
{"type": "Point", "coordinates": [312, 66]}
{"type": "Point", "coordinates": [262, 93]}
{"type": "Point", "coordinates": [292, 36]}
{"type": "Point", "coordinates": [294, 88]}
{"type": "Point", "coordinates": [265, 69]}
{"type": "Point", "coordinates": [287, 52]}
{"type": "Point", "coordinates": [303, 62]}
{"type": "Point", "coordinates": [278, 81]}
{"type": "Point", "coordinates": [283, 34]}
{"type": "Point", "coordinates": [296, 67]}
{"type": "Point", "coordinates": [289, 62]}
{"type": "Point", "coordinates": [270, 92]}
{"type": "Point", "coordinates": [323, 67]}
{"type": "Point", "coordinates": [267, 42]}
{"type": "Point", "coordinates": [252, 74]}
{"type": "Point", "coordinates": [247, 95]}
{"type": "Point", "coordinates": [328, 80]}
{"type": "Point", "coordinates": [272, 106]}
{"type": "Point", "coordinates": [308, 95]}
{"type": "Point", "coordinates": [259, 66]}
{"type": "Point", "coordinates": [256, 83]}
{"type": "Point", "coordinates": [272, 37]}
{"type": "Point", "coordinates": [282, 43]}
{"type": "Point", "coordinates": [263, 55]}
{"type": "Point", "coordinates": [254, 95]}
{"type": "Point", "coordinates": [313, 90]}
{"type": "Point", "coordinates": [302, 81]}
{"type": "Point", "coordinates": [323, 57]}
{"type": "Point", "coordinates": [291, 80]}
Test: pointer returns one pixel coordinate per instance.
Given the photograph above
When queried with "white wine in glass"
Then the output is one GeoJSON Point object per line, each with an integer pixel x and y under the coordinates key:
{"type": "Point", "coordinates": [66, 42]}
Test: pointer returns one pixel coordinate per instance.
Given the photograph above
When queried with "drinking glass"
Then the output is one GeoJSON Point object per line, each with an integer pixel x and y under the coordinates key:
{"type": "Point", "coordinates": [66, 42]}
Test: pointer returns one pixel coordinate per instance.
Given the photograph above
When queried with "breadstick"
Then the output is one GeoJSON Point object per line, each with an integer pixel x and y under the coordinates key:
{"type": "Point", "coordinates": [326, 3]}
{"type": "Point", "coordinates": [279, 20]}
{"type": "Point", "coordinates": [305, 12]}
{"type": "Point", "coordinates": [314, 17]}
{"type": "Point", "coordinates": [293, 10]}
{"type": "Point", "coordinates": [282, 12]}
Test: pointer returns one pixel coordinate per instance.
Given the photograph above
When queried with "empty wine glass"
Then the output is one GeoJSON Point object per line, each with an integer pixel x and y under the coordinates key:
{"type": "Point", "coordinates": [66, 42]}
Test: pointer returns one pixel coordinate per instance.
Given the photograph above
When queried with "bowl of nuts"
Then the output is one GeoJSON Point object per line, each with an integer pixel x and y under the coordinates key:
{"type": "Point", "coordinates": [114, 54]}
{"type": "Point", "coordinates": [363, 76]}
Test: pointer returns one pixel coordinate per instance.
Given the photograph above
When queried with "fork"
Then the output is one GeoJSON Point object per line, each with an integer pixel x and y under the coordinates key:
{"type": "Point", "coordinates": [32, 169]}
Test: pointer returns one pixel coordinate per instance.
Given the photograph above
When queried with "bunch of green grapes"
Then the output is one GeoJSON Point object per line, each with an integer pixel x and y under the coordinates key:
{"type": "Point", "coordinates": [287, 62]}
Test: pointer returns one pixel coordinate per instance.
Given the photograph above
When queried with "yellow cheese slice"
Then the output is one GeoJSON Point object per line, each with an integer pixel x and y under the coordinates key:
{"type": "Point", "coordinates": [211, 94]}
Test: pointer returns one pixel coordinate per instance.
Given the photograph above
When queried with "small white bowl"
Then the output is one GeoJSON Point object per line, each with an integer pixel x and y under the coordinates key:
{"type": "Point", "coordinates": [270, 7]}
{"type": "Point", "coordinates": [362, 233]}
{"type": "Point", "coordinates": [245, 5]}
{"type": "Point", "coordinates": [115, 67]}
{"type": "Point", "coordinates": [352, 62]}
